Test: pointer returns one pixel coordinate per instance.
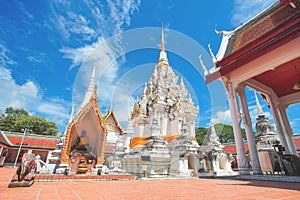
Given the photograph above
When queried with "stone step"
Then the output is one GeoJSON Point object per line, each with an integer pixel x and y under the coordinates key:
{"type": "Point", "coordinates": [59, 177]}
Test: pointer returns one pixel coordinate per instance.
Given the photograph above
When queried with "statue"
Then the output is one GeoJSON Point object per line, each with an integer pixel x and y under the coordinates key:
{"type": "Point", "coordinates": [25, 173]}
{"type": "Point", "coordinates": [82, 143]}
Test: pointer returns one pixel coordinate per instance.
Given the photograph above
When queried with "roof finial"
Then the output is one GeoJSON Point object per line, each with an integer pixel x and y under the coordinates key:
{"type": "Point", "coordinates": [260, 112]}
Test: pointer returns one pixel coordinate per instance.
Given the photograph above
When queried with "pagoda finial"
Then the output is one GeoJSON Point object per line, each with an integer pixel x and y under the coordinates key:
{"type": "Point", "coordinates": [260, 112]}
{"type": "Point", "coordinates": [162, 43]}
{"type": "Point", "coordinates": [162, 60]}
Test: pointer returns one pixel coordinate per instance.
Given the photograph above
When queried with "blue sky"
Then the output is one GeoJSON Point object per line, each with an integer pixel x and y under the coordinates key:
{"type": "Point", "coordinates": [48, 48]}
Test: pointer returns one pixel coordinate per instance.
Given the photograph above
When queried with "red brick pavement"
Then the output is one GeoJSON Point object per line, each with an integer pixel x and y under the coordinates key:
{"type": "Point", "coordinates": [150, 190]}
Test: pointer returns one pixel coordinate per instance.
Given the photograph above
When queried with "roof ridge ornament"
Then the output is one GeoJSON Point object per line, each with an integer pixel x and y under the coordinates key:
{"type": "Point", "coordinates": [225, 33]}
{"type": "Point", "coordinates": [292, 3]}
{"type": "Point", "coordinates": [205, 71]}
{"type": "Point", "coordinates": [214, 59]}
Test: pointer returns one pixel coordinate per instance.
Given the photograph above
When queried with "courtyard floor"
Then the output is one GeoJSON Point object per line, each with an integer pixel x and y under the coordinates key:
{"type": "Point", "coordinates": [150, 189]}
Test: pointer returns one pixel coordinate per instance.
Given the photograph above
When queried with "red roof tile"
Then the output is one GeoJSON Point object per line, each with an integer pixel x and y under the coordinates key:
{"type": "Point", "coordinates": [232, 148]}
{"type": "Point", "coordinates": [37, 141]}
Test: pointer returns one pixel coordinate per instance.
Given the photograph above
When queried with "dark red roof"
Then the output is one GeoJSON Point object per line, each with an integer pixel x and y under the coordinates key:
{"type": "Point", "coordinates": [33, 141]}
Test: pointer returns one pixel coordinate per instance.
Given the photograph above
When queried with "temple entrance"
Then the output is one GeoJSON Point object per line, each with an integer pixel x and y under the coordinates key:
{"type": "Point", "coordinates": [222, 162]}
{"type": "Point", "coordinates": [85, 142]}
{"type": "Point", "coordinates": [82, 158]}
{"type": "Point", "coordinates": [192, 164]}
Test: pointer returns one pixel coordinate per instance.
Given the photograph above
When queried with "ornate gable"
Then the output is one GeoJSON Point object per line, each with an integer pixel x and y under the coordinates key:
{"type": "Point", "coordinates": [88, 113]}
{"type": "Point", "coordinates": [111, 123]}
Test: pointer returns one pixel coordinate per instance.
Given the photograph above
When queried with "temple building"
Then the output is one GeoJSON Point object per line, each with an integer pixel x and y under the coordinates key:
{"type": "Point", "coordinates": [262, 54]}
{"type": "Point", "coordinates": [89, 137]}
{"type": "Point", "coordinates": [114, 130]}
{"type": "Point", "coordinates": [161, 130]}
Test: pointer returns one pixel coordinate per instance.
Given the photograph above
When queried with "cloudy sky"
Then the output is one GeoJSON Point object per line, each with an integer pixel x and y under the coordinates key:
{"type": "Point", "coordinates": [48, 49]}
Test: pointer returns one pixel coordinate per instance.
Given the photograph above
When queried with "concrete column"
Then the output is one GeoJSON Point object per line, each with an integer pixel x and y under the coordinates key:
{"type": "Point", "coordinates": [288, 130]}
{"type": "Point", "coordinates": [275, 111]}
{"type": "Point", "coordinates": [249, 132]}
{"type": "Point", "coordinates": [235, 117]}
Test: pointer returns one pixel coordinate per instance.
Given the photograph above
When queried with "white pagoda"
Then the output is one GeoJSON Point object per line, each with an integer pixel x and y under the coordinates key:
{"type": "Point", "coordinates": [162, 126]}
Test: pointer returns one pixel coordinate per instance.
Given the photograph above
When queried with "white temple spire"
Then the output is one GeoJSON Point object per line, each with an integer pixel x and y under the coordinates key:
{"type": "Point", "coordinates": [260, 112]}
{"type": "Point", "coordinates": [72, 113]}
{"type": "Point", "coordinates": [163, 55]}
{"type": "Point", "coordinates": [90, 88]}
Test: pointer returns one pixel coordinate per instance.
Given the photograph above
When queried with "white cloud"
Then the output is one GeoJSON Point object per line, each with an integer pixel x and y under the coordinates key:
{"type": "Point", "coordinates": [29, 97]}
{"type": "Point", "coordinates": [245, 10]}
{"type": "Point", "coordinates": [221, 117]}
{"type": "Point", "coordinates": [4, 56]}
{"type": "Point", "coordinates": [104, 53]}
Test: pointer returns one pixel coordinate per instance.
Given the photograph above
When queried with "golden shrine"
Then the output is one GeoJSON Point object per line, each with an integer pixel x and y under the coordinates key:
{"type": "Point", "coordinates": [86, 134]}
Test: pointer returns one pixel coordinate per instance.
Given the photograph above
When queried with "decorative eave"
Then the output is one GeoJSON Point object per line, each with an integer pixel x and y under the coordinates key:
{"type": "Point", "coordinates": [269, 30]}
{"type": "Point", "coordinates": [6, 140]}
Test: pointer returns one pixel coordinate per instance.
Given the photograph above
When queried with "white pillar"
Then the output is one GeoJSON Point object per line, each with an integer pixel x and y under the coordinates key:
{"type": "Point", "coordinates": [235, 117]}
{"type": "Point", "coordinates": [249, 132]}
{"type": "Point", "coordinates": [141, 130]}
{"type": "Point", "coordinates": [275, 111]}
{"type": "Point", "coordinates": [288, 130]}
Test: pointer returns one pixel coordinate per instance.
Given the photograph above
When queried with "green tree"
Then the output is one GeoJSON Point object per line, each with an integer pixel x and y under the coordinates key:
{"type": "Point", "coordinates": [224, 131]}
{"type": "Point", "coordinates": [10, 111]}
{"type": "Point", "coordinates": [7, 123]}
{"type": "Point", "coordinates": [17, 119]}
{"type": "Point", "coordinates": [37, 125]}
{"type": "Point", "coordinates": [1, 115]}
{"type": "Point", "coordinates": [200, 134]}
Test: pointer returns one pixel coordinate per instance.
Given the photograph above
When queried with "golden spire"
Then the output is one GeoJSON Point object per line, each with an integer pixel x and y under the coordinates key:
{"type": "Point", "coordinates": [162, 44]}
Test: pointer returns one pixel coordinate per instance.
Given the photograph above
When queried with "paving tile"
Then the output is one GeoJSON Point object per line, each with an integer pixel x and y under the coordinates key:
{"type": "Point", "coordinates": [187, 189]}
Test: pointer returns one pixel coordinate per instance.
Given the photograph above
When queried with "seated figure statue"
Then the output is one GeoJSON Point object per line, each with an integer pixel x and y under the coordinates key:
{"type": "Point", "coordinates": [82, 143]}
